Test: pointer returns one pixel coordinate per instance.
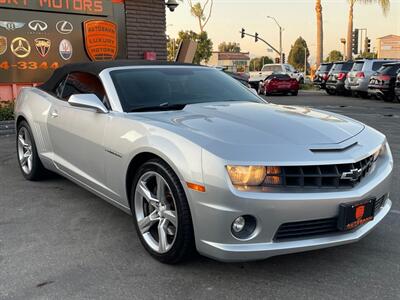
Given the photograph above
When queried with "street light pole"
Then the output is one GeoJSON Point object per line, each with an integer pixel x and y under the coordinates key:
{"type": "Point", "coordinates": [280, 38]}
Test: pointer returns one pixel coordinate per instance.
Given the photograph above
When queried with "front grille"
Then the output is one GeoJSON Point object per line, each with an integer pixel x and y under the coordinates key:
{"type": "Point", "coordinates": [307, 229]}
{"type": "Point", "coordinates": [379, 203]}
{"type": "Point", "coordinates": [322, 176]}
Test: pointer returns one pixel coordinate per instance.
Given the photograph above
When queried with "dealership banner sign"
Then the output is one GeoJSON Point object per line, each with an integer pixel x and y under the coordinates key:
{"type": "Point", "coordinates": [37, 37]}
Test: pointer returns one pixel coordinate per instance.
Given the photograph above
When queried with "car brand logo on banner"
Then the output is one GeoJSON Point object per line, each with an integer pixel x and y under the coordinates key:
{"type": "Point", "coordinates": [20, 47]}
{"type": "Point", "coordinates": [37, 25]}
{"type": "Point", "coordinates": [64, 27]}
{"type": "Point", "coordinates": [42, 46]}
{"type": "Point", "coordinates": [3, 44]}
{"type": "Point", "coordinates": [10, 26]}
{"type": "Point", "coordinates": [65, 49]}
{"type": "Point", "coordinates": [101, 42]}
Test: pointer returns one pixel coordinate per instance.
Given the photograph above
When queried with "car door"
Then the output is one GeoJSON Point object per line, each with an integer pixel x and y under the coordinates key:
{"type": "Point", "coordinates": [77, 134]}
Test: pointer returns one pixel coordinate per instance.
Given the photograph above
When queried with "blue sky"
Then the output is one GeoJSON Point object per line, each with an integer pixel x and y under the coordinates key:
{"type": "Point", "coordinates": [296, 16]}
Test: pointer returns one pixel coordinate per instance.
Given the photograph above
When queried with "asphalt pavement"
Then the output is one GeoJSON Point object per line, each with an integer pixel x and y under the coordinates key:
{"type": "Point", "coordinates": [58, 241]}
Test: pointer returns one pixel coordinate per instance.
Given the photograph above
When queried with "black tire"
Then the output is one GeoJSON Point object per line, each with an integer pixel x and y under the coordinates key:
{"type": "Point", "coordinates": [388, 98]}
{"type": "Point", "coordinates": [184, 245]}
{"type": "Point", "coordinates": [330, 92]}
{"type": "Point", "coordinates": [295, 93]}
{"type": "Point", "coordinates": [38, 171]}
{"type": "Point", "coordinates": [364, 95]}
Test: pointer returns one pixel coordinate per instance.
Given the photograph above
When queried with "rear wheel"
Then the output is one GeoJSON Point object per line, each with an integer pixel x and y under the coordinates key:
{"type": "Point", "coordinates": [295, 93]}
{"type": "Point", "coordinates": [161, 213]}
{"type": "Point", "coordinates": [28, 158]}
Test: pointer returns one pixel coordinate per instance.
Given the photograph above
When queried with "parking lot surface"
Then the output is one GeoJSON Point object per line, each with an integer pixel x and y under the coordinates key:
{"type": "Point", "coordinates": [58, 241]}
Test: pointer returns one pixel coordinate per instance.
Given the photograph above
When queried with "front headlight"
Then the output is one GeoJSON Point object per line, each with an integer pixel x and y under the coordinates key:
{"type": "Point", "coordinates": [381, 151]}
{"type": "Point", "coordinates": [247, 175]}
{"type": "Point", "coordinates": [254, 175]}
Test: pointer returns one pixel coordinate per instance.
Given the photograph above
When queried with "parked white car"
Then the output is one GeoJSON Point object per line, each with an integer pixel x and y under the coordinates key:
{"type": "Point", "coordinates": [269, 69]}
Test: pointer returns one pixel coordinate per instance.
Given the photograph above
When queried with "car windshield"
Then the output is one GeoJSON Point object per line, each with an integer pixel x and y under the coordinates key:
{"type": "Point", "coordinates": [272, 68]}
{"type": "Point", "coordinates": [324, 68]}
{"type": "Point", "coordinates": [389, 70]}
{"type": "Point", "coordinates": [173, 86]}
{"type": "Point", "coordinates": [342, 67]}
{"type": "Point", "coordinates": [357, 66]}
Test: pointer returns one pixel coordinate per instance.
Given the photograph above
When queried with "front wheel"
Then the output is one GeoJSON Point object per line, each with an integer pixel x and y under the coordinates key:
{"type": "Point", "coordinates": [28, 158]}
{"type": "Point", "coordinates": [161, 213]}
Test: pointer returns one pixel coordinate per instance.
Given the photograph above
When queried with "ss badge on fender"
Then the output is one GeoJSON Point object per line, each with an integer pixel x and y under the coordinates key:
{"type": "Point", "coordinates": [42, 46]}
{"type": "Point", "coordinates": [101, 40]}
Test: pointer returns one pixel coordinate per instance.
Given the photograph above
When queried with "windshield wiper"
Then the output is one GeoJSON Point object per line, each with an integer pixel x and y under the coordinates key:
{"type": "Point", "coordinates": [162, 107]}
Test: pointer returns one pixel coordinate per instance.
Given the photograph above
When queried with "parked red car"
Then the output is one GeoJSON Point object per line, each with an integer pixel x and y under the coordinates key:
{"type": "Point", "coordinates": [279, 84]}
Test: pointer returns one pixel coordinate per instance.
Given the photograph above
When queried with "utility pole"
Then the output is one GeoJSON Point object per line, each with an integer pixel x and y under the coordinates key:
{"type": "Point", "coordinates": [280, 38]}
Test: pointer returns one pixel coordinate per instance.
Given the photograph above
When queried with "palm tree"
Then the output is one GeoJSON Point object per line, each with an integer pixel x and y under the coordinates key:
{"type": "Point", "coordinates": [320, 32]}
{"type": "Point", "coordinates": [384, 4]}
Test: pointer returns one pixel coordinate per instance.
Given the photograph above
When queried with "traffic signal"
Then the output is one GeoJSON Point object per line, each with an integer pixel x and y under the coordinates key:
{"type": "Point", "coordinates": [256, 37]}
{"type": "Point", "coordinates": [367, 45]}
{"type": "Point", "coordinates": [283, 58]}
{"type": "Point", "coordinates": [355, 41]}
{"type": "Point", "coordinates": [243, 33]}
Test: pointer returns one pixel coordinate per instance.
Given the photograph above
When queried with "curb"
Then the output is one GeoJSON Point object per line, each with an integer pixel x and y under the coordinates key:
{"type": "Point", "coordinates": [7, 127]}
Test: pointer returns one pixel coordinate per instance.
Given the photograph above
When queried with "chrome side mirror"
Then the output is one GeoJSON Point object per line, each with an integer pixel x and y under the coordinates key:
{"type": "Point", "coordinates": [88, 101]}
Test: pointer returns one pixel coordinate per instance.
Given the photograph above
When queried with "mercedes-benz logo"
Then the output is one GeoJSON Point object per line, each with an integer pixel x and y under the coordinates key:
{"type": "Point", "coordinates": [64, 27]}
{"type": "Point", "coordinates": [20, 47]}
{"type": "Point", "coordinates": [37, 25]}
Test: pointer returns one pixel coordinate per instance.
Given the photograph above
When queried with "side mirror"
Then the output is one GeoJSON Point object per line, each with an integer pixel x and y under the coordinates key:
{"type": "Point", "coordinates": [88, 101]}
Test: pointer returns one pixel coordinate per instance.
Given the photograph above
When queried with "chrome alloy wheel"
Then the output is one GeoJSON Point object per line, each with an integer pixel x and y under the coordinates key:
{"type": "Point", "coordinates": [25, 154]}
{"type": "Point", "coordinates": [155, 211]}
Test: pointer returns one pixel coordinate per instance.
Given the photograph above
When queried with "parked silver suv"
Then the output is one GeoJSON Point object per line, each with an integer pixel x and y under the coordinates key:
{"type": "Point", "coordinates": [358, 78]}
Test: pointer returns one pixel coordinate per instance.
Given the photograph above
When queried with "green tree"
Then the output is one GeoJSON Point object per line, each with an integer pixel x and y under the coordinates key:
{"type": "Point", "coordinates": [367, 55]}
{"type": "Point", "coordinates": [229, 47]}
{"type": "Point", "coordinates": [204, 45]}
{"type": "Point", "coordinates": [384, 4]}
{"type": "Point", "coordinates": [334, 55]}
{"type": "Point", "coordinates": [172, 48]}
{"type": "Point", "coordinates": [257, 63]}
{"type": "Point", "coordinates": [298, 53]}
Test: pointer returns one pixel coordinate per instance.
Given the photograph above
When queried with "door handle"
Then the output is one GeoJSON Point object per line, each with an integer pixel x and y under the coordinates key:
{"type": "Point", "coordinates": [54, 114]}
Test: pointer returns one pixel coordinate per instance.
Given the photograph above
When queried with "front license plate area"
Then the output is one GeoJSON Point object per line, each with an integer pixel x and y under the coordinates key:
{"type": "Point", "coordinates": [352, 215]}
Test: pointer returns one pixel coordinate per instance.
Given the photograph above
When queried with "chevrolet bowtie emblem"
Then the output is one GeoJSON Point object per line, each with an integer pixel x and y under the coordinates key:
{"type": "Point", "coordinates": [352, 175]}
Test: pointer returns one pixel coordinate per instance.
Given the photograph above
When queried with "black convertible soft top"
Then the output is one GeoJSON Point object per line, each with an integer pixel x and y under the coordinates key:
{"type": "Point", "coordinates": [95, 68]}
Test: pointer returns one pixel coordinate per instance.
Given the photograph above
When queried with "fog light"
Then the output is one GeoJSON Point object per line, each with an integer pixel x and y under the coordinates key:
{"type": "Point", "coordinates": [238, 224]}
{"type": "Point", "coordinates": [243, 227]}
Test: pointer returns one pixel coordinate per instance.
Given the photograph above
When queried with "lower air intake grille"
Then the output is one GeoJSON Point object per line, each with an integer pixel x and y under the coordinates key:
{"type": "Point", "coordinates": [306, 229]}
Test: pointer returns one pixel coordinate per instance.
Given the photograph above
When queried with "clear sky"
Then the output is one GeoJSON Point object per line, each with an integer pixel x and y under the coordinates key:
{"type": "Point", "coordinates": [296, 16]}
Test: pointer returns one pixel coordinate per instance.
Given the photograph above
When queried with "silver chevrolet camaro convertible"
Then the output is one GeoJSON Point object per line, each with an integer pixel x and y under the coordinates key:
{"type": "Point", "coordinates": [202, 163]}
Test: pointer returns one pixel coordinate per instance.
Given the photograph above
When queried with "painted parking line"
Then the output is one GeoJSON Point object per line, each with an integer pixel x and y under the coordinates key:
{"type": "Point", "coordinates": [394, 211]}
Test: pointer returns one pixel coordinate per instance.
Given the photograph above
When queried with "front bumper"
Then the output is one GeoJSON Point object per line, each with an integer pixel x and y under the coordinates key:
{"type": "Point", "coordinates": [214, 211]}
{"type": "Point", "coordinates": [258, 251]}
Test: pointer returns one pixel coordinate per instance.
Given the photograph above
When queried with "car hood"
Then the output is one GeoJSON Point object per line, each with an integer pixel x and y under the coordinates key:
{"type": "Point", "coordinates": [252, 124]}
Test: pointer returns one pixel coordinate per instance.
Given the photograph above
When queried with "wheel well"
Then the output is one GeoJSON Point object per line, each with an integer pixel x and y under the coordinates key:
{"type": "Point", "coordinates": [135, 163]}
{"type": "Point", "coordinates": [19, 120]}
